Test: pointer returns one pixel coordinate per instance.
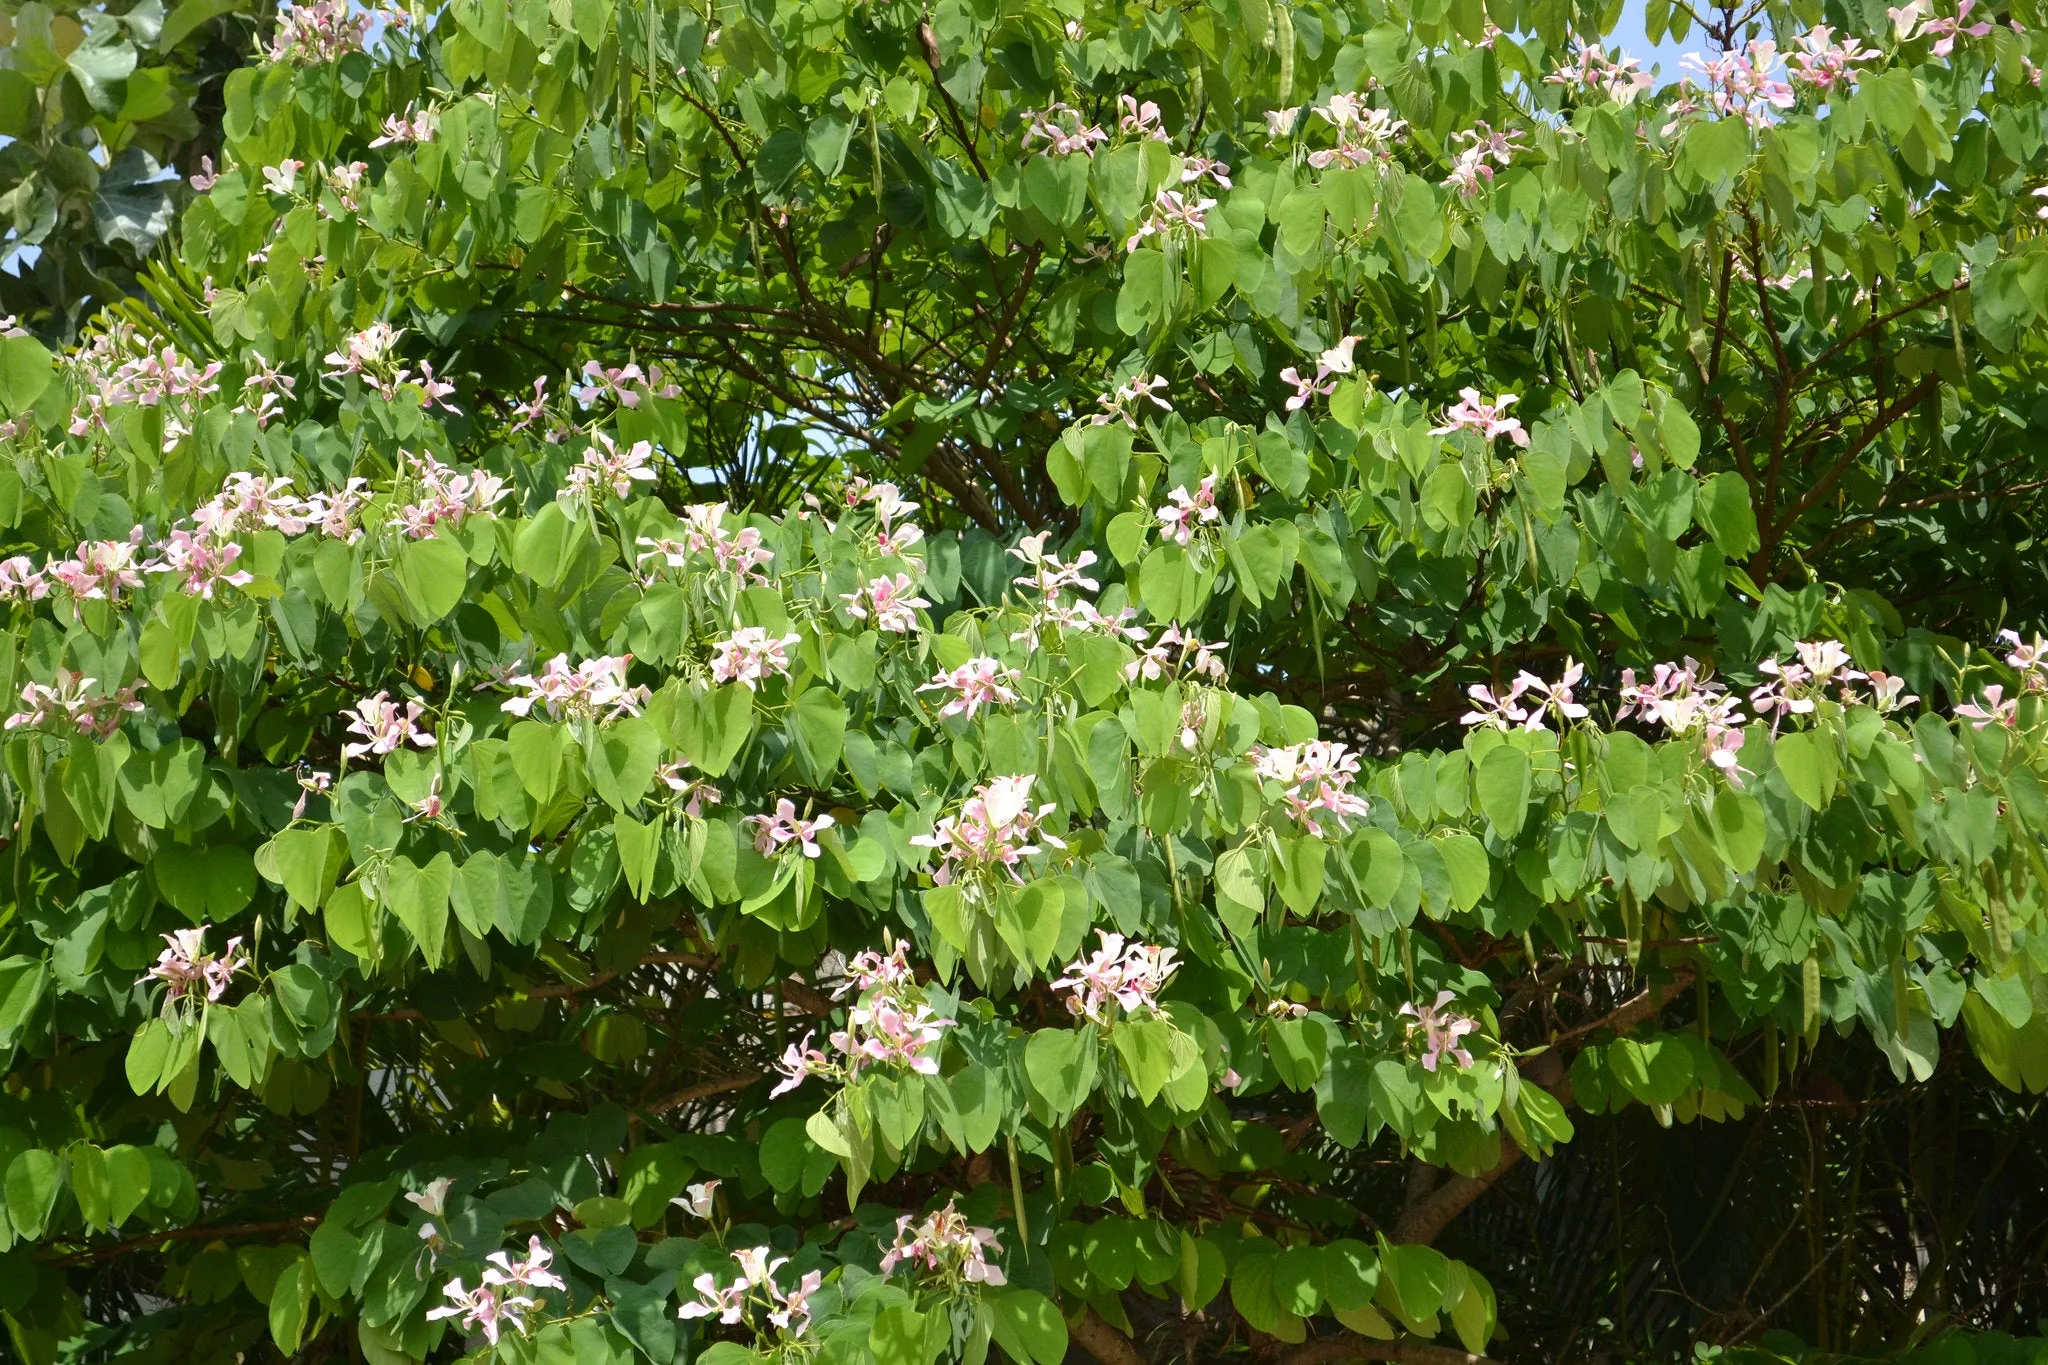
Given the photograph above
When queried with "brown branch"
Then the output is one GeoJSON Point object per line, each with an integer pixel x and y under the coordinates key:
{"type": "Point", "coordinates": [1426, 1216]}
{"type": "Point", "coordinates": [703, 1090]}
{"type": "Point", "coordinates": [929, 41]}
{"type": "Point", "coordinates": [184, 1235]}
{"type": "Point", "coordinates": [1105, 1343]}
{"type": "Point", "coordinates": [1774, 534]}
{"type": "Point", "coordinates": [1333, 1350]}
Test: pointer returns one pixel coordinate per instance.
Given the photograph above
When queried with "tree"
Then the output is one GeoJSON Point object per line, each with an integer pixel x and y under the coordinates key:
{"type": "Point", "coordinates": [887, 682]}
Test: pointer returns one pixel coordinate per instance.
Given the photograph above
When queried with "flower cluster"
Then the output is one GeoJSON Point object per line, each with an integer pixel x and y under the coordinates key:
{"type": "Point", "coordinates": [498, 1302]}
{"type": "Point", "coordinates": [1490, 420]}
{"type": "Point", "coordinates": [117, 368]}
{"type": "Point", "coordinates": [773, 833]}
{"type": "Point", "coordinates": [789, 1310]}
{"type": "Point", "coordinates": [739, 553]}
{"type": "Point", "coordinates": [890, 1026]}
{"type": "Point", "coordinates": [444, 497]}
{"type": "Point", "coordinates": [1508, 710]}
{"type": "Point", "coordinates": [415, 125]}
{"type": "Point", "coordinates": [945, 1244]}
{"type": "Point", "coordinates": [1126, 402]}
{"type": "Point", "coordinates": [70, 697]}
{"type": "Point", "coordinates": [1314, 777]}
{"type": "Point", "coordinates": [627, 384]}
{"type": "Point", "coordinates": [1365, 136]}
{"type": "Point", "coordinates": [892, 602]}
{"type": "Point", "coordinates": [1172, 213]}
{"type": "Point", "coordinates": [1822, 62]}
{"type": "Point", "coordinates": [595, 688]}
{"type": "Point", "coordinates": [993, 831]}
{"type": "Point", "coordinates": [695, 793]}
{"type": "Point", "coordinates": [1914, 21]}
{"type": "Point", "coordinates": [1471, 172]}
{"type": "Point", "coordinates": [1063, 130]}
{"type": "Point", "coordinates": [750, 655]}
{"type": "Point", "coordinates": [606, 467]}
{"type": "Point", "coordinates": [322, 32]}
{"type": "Point", "coordinates": [868, 970]}
{"type": "Point", "coordinates": [981, 681]}
{"type": "Point", "coordinates": [1126, 975]}
{"type": "Point", "coordinates": [187, 969]}
{"type": "Point", "coordinates": [384, 725]}
{"type": "Point", "coordinates": [1681, 699]}
{"type": "Point", "coordinates": [372, 355]}
{"type": "Point", "coordinates": [1745, 84]}
{"type": "Point", "coordinates": [1331, 363]}
{"type": "Point", "coordinates": [1050, 575]}
{"type": "Point", "coordinates": [1159, 660]}
{"type": "Point", "coordinates": [1185, 512]}
{"type": "Point", "coordinates": [1440, 1030]}
{"type": "Point", "coordinates": [1619, 77]}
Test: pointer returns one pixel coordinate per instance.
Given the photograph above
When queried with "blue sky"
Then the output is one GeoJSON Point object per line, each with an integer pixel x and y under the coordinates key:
{"type": "Point", "coordinates": [1630, 37]}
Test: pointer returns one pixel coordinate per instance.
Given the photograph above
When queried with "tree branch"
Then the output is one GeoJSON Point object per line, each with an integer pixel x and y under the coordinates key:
{"type": "Point", "coordinates": [1350, 1346]}
{"type": "Point", "coordinates": [1105, 1343]}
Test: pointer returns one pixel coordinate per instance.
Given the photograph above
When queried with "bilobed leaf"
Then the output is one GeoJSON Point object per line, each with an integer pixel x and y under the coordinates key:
{"type": "Point", "coordinates": [1028, 1327]}
{"type": "Point", "coordinates": [1810, 766]}
{"type": "Point", "coordinates": [1503, 784]}
{"type": "Point", "coordinates": [432, 574]}
{"type": "Point", "coordinates": [418, 896]}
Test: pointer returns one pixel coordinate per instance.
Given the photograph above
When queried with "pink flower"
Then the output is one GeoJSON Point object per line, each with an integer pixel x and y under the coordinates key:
{"type": "Point", "coordinates": [384, 725]}
{"type": "Point", "coordinates": [1992, 706]}
{"type": "Point", "coordinates": [2029, 660]}
{"type": "Point", "coordinates": [1141, 120]}
{"type": "Point", "coordinates": [204, 564]}
{"type": "Point", "coordinates": [1129, 977]}
{"type": "Point", "coordinates": [95, 717]}
{"type": "Point", "coordinates": [1170, 212]}
{"type": "Point", "coordinates": [444, 497]}
{"type": "Point", "coordinates": [1123, 404]}
{"type": "Point", "coordinates": [1063, 131]}
{"type": "Point", "coordinates": [283, 178]}
{"type": "Point", "coordinates": [977, 683]}
{"type": "Point", "coordinates": [1280, 122]}
{"type": "Point", "coordinates": [1499, 711]}
{"type": "Point", "coordinates": [729, 1305]}
{"type": "Point", "coordinates": [101, 570]}
{"type": "Point", "coordinates": [594, 688]}
{"type": "Point", "coordinates": [1555, 696]}
{"type": "Point", "coordinates": [946, 1245]}
{"type": "Point", "coordinates": [530, 1273]}
{"type": "Point", "coordinates": [1441, 1029]}
{"type": "Point", "coordinates": [750, 656]}
{"type": "Point", "coordinates": [604, 466]}
{"type": "Point", "coordinates": [992, 832]}
{"type": "Point", "coordinates": [870, 970]}
{"type": "Point", "coordinates": [414, 125]}
{"type": "Point", "coordinates": [1678, 698]}
{"type": "Point", "coordinates": [1316, 776]}
{"type": "Point", "coordinates": [892, 601]}
{"type": "Point", "coordinates": [1490, 420]}
{"type": "Point", "coordinates": [696, 793]}
{"type": "Point", "coordinates": [772, 832]}
{"type": "Point", "coordinates": [1183, 513]}
{"type": "Point", "coordinates": [1617, 77]}
{"type": "Point", "coordinates": [205, 177]}
{"type": "Point", "coordinates": [483, 1309]}
{"type": "Point", "coordinates": [698, 1199]}
{"type": "Point", "coordinates": [1821, 62]}
{"type": "Point", "coordinates": [20, 581]}
{"type": "Point", "coordinates": [1050, 576]}
{"type": "Point", "coordinates": [186, 967]}
{"type": "Point", "coordinates": [1161, 659]}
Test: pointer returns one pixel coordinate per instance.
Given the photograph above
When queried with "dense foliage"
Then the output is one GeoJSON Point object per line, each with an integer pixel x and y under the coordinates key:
{"type": "Point", "coordinates": [877, 683]}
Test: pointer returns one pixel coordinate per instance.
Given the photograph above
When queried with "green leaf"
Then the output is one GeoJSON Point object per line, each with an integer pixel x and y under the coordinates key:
{"type": "Point", "coordinates": [1146, 1047]}
{"type": "Point", "coordinates": [418, 896]}
{"type": "Point", "coordinates": [1724, 512]}
{"type": "Point", "coordinates": [1027, 1326]}
{"type": "Point", "coordinates": [307, 862]}
{"type": "Point", "coordinates": [1808, 761]}
{"type": "Point", "coordinates": [25, 371]}
{"type": "Point", "coordinates": [1061, 1066]}
{"type": "Point", "coordinates": [817, 721]}
{"type": "Point", "coordinates": [34, 1179]}
{"type": "Point", "coordinates": [623, 761]}
{"type": "Point", "coordinates": [206, 884]}
{"type": "Point", "coordinates": [1503, 784]}
{"type": "Point", "coordinates": [432, 574]}
{"type": "Point", "coordinates": [1713, 150]}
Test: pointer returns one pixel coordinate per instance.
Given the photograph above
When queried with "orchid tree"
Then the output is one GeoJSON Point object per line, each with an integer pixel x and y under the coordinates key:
{"type": "Point", "coordinates": [880, 684]}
